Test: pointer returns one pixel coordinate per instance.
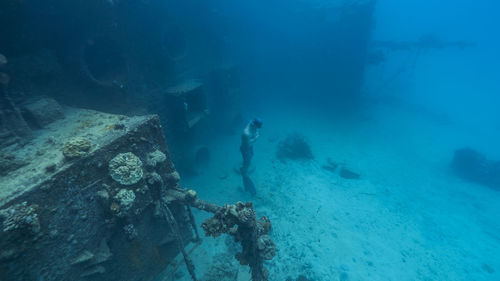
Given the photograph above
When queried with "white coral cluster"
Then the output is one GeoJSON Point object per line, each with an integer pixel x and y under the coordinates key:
{"type": "Point", "coordinates": [126, 168]}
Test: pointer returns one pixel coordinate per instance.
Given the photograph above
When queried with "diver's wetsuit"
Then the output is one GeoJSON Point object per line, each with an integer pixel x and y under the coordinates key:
{"type": "Point", "coordinates": [248, 137]}
{"type": "Point", "coordinates": [246, 150]}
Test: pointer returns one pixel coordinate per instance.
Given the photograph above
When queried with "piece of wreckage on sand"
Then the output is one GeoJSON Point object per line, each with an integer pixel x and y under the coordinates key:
{"type": "Point", "coordinates": [96, 197]}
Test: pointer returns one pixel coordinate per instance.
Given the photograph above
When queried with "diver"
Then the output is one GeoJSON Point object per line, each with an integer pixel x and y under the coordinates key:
{"type": "Point", "coordinates": [248, 137]}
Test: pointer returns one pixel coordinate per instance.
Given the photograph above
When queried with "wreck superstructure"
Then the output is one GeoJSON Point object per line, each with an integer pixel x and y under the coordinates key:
{"type": "Point", "coordinates": [96, 196]}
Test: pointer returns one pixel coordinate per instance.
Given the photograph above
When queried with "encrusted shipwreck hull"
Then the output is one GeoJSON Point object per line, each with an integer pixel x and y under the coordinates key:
{"type": "Point", "coordinates": [84, 202]}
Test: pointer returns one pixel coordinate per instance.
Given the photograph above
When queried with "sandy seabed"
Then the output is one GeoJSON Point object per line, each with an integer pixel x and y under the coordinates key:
{"type": "Point", "coordinates": [407, 218]}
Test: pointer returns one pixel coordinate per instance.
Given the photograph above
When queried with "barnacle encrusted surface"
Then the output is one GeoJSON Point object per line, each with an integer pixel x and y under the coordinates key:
{"type": "Point", "coordinates": [126, 168]}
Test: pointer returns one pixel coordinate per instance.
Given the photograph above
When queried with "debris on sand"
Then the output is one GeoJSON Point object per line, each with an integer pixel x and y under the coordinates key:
{"type": "Point", "coordinates": [330, 165]}
{"type": "Point", "coordinates": [473, 166]}
{"type": "Point", "coordinates": [348, 174]}
{"type": "Point", "coordinates": [333, 167]}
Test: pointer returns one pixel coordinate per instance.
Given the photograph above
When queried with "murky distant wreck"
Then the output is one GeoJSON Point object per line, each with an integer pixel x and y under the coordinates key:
{"type": "Point", "coordinates": [87, 195]}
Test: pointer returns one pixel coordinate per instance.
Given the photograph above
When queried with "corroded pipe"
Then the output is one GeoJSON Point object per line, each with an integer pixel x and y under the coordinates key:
{"type": "Point", "coordinates": [238, 220]}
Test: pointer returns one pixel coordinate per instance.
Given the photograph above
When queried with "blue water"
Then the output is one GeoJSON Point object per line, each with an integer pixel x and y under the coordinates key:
{"type": "Point", "coordinates": [409, 216]}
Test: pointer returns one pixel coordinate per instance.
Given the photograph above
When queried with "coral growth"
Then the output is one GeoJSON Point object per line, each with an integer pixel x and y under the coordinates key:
{"type": "Point", "coordinates": [125, 198]}
{"type": "Point", "coordinates": [126, 168]}
{"type": "Point", "coordinates": [22, 217]}
{"type": "Point", "coordinates": [76, 147]}
{"type": "Point", "coordinates": [294, 147]}
{"type": "Point", "coordinates": [266, 247]}
{"type": "Point", "coordinates": [173, 178]}
{"type": "Point", "coordinates": [155, 157]}
{"type": "Point", "coordinates": [239, 221]}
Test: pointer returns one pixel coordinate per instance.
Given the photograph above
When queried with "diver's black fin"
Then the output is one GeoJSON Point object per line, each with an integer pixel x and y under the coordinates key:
{"type": "Point", "coordinates": [248, 184]}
